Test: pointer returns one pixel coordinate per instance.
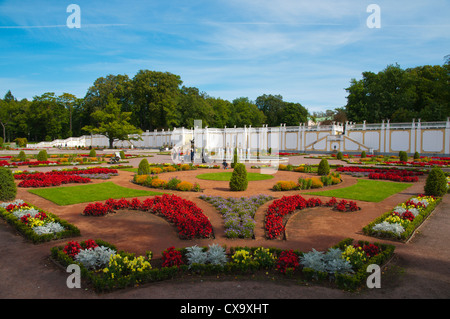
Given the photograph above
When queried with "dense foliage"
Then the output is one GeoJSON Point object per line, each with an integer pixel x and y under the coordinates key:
{"type": "Point", "coordinates": [159, 100]}
{"type": "Point", "coordinates": [436, 183]}
{"type": "Point", "coordinates": [150, 100]}
{"type": "Point", "coordinates": [8, 189]}
{"type": "Point", "coordinates": [400, 95]}
{"type": "Point", "coordinates": [239, 181]}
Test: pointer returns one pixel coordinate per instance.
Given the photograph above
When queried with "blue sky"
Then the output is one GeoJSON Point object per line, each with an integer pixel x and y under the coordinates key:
{"type": "Point", "coordinates": [306, 51]}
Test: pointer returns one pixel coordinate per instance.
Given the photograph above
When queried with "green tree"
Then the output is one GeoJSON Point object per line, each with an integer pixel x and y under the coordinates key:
{"type": "Point", "coordinates": [400, 95]}
{"type": "Point", "coordinates": [144, 167]}
{"type": "Point", "coordinates": [324, 167]}
{"type": "Point", "coordinates": [113, 123]}
{"type": "Point", "coordinates": [14, 119]}
{"type": "Point", "coordinates": [221, 111]}
{"type": "Point", "coordinates": [272, 107]}
{"type": "Point", "coordinates": [69, 101]}
{"type": "Point", "coordinates": [96, 98]}
{"type": "Point", "coordinates": [42, 156]}
{"type": "Point", "coordinates": [155, 96]}
{"type": "Point", "coordinates": [293, 114]}
{"type": "Point", "coordinates": [192, 105]}
{"type": "Point", "coordinates": [239, 181]}
{"type": "Point", "coordinates": [244, 112]}
{"type": "Point", "coordinates": [46, 109]}
{"type": "Point", "coordinates": [436, 183]}
{"type": "Point", "coordinates": [8, 188]}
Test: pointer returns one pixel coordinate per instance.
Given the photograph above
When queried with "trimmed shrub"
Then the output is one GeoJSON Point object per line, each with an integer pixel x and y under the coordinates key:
{"type": "Point", "coordinates": [144, 167]}
{"type": "Point", "coordinates": [324, 168]}
{"type": "Point", "coordinates": [436, 184]}
{"type": "Point", "coordinates": [22, 157]}
{"type": "Point", "coordinates": [403, 157]}
{"type": "Point", "coordinates": [238, 181]}
{"type": "Point", "coordinates": [8, 189]}
{"type": "Point", "coordinates": [363, 154]}
{"type": "Point", "coordinates": [42, 156]}
{"type": "Point", "coordinates": [339, 156]}
{"type": "Point", "coordinates": [92, 153]}
{"type": "Point", "coordinates": [416, 155]}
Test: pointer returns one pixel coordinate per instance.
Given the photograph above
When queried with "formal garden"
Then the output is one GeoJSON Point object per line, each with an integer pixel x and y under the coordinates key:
{"type": "Point", "coordinates": [141, 221]}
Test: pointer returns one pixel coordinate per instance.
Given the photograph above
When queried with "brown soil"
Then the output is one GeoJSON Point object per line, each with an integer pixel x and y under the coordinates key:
{"type": "Point", "coordinates": [421, 268]}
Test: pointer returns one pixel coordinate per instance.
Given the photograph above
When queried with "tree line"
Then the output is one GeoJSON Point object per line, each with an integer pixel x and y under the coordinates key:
{"type": "Point", "coordinates": [159, 100]}
{"type": "Point", "coordinates": [151, 100]}
{"type": "Point", "coordinates": [400, 95]}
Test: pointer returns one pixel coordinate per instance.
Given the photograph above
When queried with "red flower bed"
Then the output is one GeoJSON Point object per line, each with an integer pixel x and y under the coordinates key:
{"type": "Point", "coordinates": [398, 175]}
{"type": "Point", "coordinates": [6, 163]}
{"type": "Point", "coordinates": [346, 206]}
{"type": "Point", "coordinates": [184, 214]}
{"type": "Point", "coordinates": [45, 180]}
{"type": "Point", "coordinates": [56, 178]}
{"type": "Point", "coordinates": [394, 177]}
{"type": "Point", "coordinates": [277, 210]}
{"type": "Point", "coordinates": [33, 163]}
{"type": "Point", "coordinates": [287, 259]}
{"type": "Point", "coordinates": [287, 204]}
{"type": "Point", "coordinates": [172, 257]}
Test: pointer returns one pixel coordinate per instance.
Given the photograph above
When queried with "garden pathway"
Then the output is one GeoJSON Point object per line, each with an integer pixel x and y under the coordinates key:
{"type": "Point", "coordinates": [26, 271]}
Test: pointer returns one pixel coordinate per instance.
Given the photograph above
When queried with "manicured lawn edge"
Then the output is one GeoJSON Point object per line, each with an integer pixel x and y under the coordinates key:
{"type": "Point", "coordinates": [49, 193]}
{"type": "Point", "coordinates": [28, 233]}
{"type": "Point", "coordinates": [346, 192]}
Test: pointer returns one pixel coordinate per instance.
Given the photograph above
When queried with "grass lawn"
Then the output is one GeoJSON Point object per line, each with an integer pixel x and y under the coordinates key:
{"type": "Point", "coordinates": [88, 193]}
{"type": "Point", "coordinates": [366, 190]}
{"type": "Point", "coordinates": [130, 169]}
{"type": "Point", "coordinates": [226, 176]}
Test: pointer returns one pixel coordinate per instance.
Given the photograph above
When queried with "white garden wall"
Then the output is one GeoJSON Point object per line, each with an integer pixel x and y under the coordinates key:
{"type": "Point", "coordinates": [424, 137]}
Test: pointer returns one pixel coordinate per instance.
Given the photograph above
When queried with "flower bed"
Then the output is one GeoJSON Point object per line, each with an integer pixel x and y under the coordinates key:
{"type": "Point", "coordinates": [308, 183]}
{"type": "Point", "coordinates": [153, 181]}
{"type": "Point", "coordinates": [280, 208]}
{"type": "Point", "coordinates": [428, 163]}
{"type": "Point", "coordinates": [394, 174]}
{"type": "Point", "coordinates": [184, 214]}
{"type": "Point", "coordinates": [401, 222]}
{"type": "Point", "coordinates": [36, 224]}
{"type": "Point", "coordinates": [57, 178]}
{"type": "Point", "coordinates": [394, 177]}
{"type": "Point", "coordinates": [238, 213]}
{"type": "Point", "coordinates": [107, 269]}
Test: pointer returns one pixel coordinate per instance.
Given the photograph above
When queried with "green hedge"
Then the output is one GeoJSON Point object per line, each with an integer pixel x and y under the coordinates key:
{"type": "Point", "coordinates": [28, 233]}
